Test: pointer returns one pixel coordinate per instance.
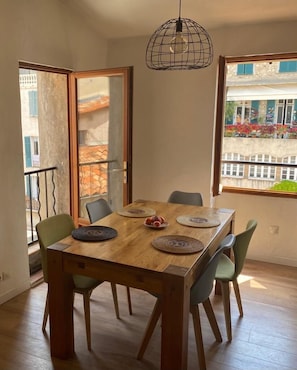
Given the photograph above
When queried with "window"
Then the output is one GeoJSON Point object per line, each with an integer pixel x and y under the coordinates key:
{"type": "Point", "coordinates": [245, 69]}
{"type": "Point", "coordinates": [231, 169]}
{"type": "Point", "coordinates": [256, 129]}
{"type": "Point", "coordinates": [288, 66]}
{"type": "Point", "coordinates": [262, 171]}
{"type": "Point", "coordinates": [35, 146]}
{"type": "Point", "coordinates": [285, 111]}
{"type": "Point", "coordinates": [287, 172]}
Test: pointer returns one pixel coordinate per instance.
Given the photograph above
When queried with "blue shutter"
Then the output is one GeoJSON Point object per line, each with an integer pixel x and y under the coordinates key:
{"type": "Point", "coordinates": [240, 69]}
{"type": "Point", "coordinates": [28, 157]}
{"type": "Point", "coordinates": [33, 106]}
{"type": "Point", "coordinates": [288, 66]}
{"type": "Point", "coordinates": [249, 69]}
{"type": "Point", "coordinates": [245, 69]}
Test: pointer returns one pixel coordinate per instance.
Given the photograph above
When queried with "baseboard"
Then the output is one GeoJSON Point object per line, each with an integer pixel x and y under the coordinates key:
{"type": "Point", "coordinates": [14, 292]}
{"type": "Point", "coordinates": [276, 260]}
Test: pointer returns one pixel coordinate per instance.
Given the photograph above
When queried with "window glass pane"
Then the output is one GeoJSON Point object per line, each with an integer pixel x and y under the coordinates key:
{"type": "Point", "coordinates": [260, 126]}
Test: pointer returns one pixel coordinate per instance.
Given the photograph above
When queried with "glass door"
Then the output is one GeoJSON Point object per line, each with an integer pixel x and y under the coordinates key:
{"type": "Point", "coordinates": [100, 132]}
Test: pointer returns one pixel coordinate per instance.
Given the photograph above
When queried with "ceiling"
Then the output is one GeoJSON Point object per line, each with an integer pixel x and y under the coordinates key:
{"type": "Point", "coordinates": [130, 18]}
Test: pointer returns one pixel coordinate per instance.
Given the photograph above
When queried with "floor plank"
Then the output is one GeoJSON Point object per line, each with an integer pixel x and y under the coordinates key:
{"type": "Point", "coordinates": [264, 339]}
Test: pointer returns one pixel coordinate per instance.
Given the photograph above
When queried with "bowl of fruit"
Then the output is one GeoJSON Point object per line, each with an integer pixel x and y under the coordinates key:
{"type": "Point", "coordinates": [155, 222]}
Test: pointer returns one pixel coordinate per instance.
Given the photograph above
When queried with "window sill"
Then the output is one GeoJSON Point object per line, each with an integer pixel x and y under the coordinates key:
{"type": "Point", "coordinates": [265, 193]}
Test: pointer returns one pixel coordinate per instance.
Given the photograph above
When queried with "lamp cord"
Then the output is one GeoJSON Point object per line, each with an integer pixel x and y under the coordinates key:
{"type": "Point", "coordinates": [179, 9]}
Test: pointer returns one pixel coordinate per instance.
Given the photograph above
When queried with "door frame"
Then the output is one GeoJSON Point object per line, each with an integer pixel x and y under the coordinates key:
{"type": "Point", "coordinates": [127, 73]}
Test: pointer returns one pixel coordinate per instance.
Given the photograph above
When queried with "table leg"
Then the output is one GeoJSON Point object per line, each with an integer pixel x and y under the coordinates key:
{"type": "Point", "coordinates": [60, 287]}
{"type": "Point", "coordinates": [218, 288]}
{"type": "Point", "coordinates": [175, 319]}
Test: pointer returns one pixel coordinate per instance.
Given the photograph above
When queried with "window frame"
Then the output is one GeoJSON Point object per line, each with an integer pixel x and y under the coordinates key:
{"type": "Point", "coordinates": [219, 125]}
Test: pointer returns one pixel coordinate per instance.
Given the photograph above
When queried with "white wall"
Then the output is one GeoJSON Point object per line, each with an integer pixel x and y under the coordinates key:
{"type": "Point", "coordinates": [174, 114]}
{"type": "Point", "coordinates": [43, 32]}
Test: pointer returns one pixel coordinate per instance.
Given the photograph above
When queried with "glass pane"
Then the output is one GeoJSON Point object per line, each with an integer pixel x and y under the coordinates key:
{"type": "Point", "coordinates": [100, 133]}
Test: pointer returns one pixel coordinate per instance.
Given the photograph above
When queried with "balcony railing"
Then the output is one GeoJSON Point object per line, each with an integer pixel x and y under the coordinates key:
{"type": "Point", "coordinates": [40, 198]}
{"type": "Point", "coordinates": [93, 182]}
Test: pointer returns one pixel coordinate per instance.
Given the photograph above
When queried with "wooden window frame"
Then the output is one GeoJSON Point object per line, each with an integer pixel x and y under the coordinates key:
{"type": "Point", "coordinates": [219, 124]}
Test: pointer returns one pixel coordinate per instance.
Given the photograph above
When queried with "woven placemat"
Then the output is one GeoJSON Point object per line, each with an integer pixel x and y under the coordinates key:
{"type": "Point", "coordinates": [137, 212]}
{"type": "Point", "coordinates": [196, 221]}
{"type": "Point", "coordinates": [178, 244]}
{"type": "Point", "coordinates": [94, 233]}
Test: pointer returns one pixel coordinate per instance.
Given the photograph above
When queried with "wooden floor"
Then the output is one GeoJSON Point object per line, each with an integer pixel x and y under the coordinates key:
{"type": "Point", "coordinates": [264, 339]}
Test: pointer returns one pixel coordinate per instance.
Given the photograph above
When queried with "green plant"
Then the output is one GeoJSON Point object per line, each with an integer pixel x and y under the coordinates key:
{"type": "Point", "coordinates": [285, 185]}
{"type": "Point", "coordinates": [229, 111]}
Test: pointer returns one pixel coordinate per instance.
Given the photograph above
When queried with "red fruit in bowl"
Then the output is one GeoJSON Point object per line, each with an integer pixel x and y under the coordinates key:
{"type": "Point", "coordinates": [157, 223]}
{"type": "Point", "coordinates": [149, 221]}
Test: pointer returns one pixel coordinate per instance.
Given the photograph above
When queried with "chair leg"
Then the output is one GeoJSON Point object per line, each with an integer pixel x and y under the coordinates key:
{"type": "Point", "coordinates": [238, 298]}
{"type": "Point", "coordinates": [227, 310]}
{"type": "Point", "coordinates": [150, 328]}
{"type": "Point", "coordinates": [115, 299]}
{"type": "Point", "coordinates": [86, 296]}
{"type": "Point", "coordinates": [212, 320]}
{"type": "Point", "coordinates": [129, 300]}
{"type": "Point", "coordinates": [46, 311]}
{"type": "Point", "coordinates": [198, 335]}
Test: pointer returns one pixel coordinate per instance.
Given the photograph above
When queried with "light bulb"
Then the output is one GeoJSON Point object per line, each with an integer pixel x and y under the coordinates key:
{"type": "Point", "coordinates": [178, 44]}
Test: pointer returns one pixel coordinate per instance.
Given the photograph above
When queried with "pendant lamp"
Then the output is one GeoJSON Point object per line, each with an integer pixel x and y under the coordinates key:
{"type": "Point", "coordinates": [179, 44]}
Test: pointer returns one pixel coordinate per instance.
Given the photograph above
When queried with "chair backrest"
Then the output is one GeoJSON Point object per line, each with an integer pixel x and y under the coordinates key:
{"type": "Point", "coordinates": [51, 230]}
{"type": "Point", "coordinates": [182, 197]}
{"type": "Point", "coordinates": [241, 246]}
{"type": "Point", "coordinates": [98, 209]}
{"type": "Point", "coordinates": [202, 288]}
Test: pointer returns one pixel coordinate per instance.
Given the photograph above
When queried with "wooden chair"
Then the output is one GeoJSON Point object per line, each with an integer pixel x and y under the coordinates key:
{"type": "Point", "coordinates": [96, 210]}
{"type": "Point", "coordinates": [50, 231]}
{"type": "Point", "coordinates": [200, 292]}
{"type": "Point", "coordinates": [228, 271]}
{"type": "Point", "coordinates": [182, 197]}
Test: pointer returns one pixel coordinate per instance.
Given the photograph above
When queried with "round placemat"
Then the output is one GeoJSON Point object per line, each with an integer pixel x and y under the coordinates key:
{"type": "Point", "coordinates": [137, 212]}
{"type": "Point", "coordinates": [196, 221]}
{"type": "Point", "coordinates": [94, 233]}
{"type": "Point", "coordinates": [179, 244]}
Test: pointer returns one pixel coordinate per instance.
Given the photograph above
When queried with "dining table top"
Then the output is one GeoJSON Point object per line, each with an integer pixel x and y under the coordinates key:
{"type": "Point", "coordinates": [133, 245]}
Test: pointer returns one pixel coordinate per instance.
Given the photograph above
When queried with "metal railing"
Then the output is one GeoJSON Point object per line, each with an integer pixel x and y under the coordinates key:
{"type": "Point", "coordinates": [40, 198]}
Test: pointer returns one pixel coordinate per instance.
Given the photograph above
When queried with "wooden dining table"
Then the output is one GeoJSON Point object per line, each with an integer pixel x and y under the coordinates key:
{"type": "Point", "coordinates": [132, 258]}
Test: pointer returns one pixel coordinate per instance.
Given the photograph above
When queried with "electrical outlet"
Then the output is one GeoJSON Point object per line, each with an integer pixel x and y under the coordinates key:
{"type": "Point", "coordinates": [274, 229]}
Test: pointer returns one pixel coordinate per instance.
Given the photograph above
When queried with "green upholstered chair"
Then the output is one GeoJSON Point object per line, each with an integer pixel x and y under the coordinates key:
{"type": "Point", "coordinates": [228, 270]}
{"type": "Point", "coordinates": [200, 292]}
{"type": "Point", "coordinates": [182, 197]}
{"type": "Point", "coordinates": [96, 210]}
{"type": "Point", "coordinates": [50, 231]}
